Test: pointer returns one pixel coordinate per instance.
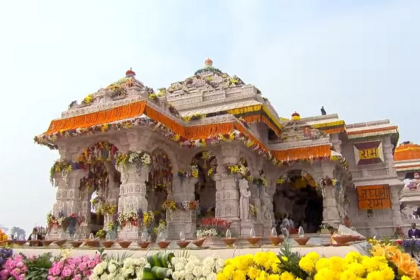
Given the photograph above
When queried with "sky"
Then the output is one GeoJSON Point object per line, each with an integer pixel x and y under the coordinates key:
{"type": "Point", "coordinates": [357, 58]}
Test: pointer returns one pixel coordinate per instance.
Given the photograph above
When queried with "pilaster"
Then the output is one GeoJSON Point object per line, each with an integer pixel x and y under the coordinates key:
{"type": "Point", "coordinates": [395, 204]}
{"type": "Point", "coordinates": [227, 192]}
{"type": "Point", "coordinates": [132, 195]}
{"type": "Point", "coordinates": [182, 220]}
{"type": "Point", "coordinates": [330, 213]}
{"type": "Point", "coordinates": [69, 197]}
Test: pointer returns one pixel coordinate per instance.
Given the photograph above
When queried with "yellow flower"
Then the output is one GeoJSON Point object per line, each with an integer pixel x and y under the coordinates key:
{"type": "Point", "coordinates": [353, 257]}
{"type": "Point", "coordinates": [324, 274]}
{"type": "Point", "coordinates": [405, 278]}
{"type": "Point", "coordinates": [253, 273]}
{"type": "Point", "coordinates": [388, 274]}
{"type": "Point", "coordinates": [287, 276]}
{"type": "Point", "coordinates": [357, 269]}
{"type": "Point", "coordinates": [307, 265]}
{"type": "Point", "coordinates": [273, 277]}
{"type": "Point", "coordinates": [348, 275]}
{"type": "Point", "coordinates": [375, 275]}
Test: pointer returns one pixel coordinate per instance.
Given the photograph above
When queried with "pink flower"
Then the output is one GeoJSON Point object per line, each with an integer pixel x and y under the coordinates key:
{"type": "Point", "coordinates": [31, 258]}
{"type": "Point", "coordinates": [4, 274]}
{"type": "Point", "coordinates": [82, 266]}
{"type": "Point", "coordinates": [70, 261]}
{"type": "Point", "coordinates": [91, 264]}
{"type": "Point", "coordinates": [19, 264]}
{"type": "Point", "coordinates": [77, 277]}
{"type": "Point", "coordinates": [85, 258]}
{"type": "Point", "coordinates": [66, 272]}
{"type": "Point", "coordinates": [77, 261]}
{"type": "Point", "coordinates": [96, 257]}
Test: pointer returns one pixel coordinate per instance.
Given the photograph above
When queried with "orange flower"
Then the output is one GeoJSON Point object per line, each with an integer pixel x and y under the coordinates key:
{"type": "Point", "coordinates": [406, 266]}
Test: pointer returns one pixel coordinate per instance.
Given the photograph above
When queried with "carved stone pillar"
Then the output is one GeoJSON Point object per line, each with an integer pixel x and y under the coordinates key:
{"type": "Point", "coordinates": [257, 220]}
{"type": "Point", "coordinates": [227, 192]}
{"type": "Point", "coordinates": [132, 195]}
{"type": "Point", "coordinates": [112, 192]}
{"type": "Point", "coordinates": [182, 220]}
{"type": "Point", "coordinates": [395, 204]}
{"type": "Point", "coordinates": [68, 199]}
{"type": "Point", "coordinates": [330, 213]}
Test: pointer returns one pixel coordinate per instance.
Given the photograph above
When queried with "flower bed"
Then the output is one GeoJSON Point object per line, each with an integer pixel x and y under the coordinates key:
{"type": "Point", "coordinates": [386, 262]}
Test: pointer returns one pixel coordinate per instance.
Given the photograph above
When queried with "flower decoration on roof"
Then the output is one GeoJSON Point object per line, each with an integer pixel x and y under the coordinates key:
{"type": "Point", "coordinates": [206, 79]}
{"type": "Point", "coordinates": [295, 116]}
{"type": "Point", "coordinates": [407, 151]}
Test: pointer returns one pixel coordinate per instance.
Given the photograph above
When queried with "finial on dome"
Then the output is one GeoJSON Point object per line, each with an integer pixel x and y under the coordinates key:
{"type": "Point", "coordinates": [208, 62]}
{"type": "Point", "coordinates": [295, 116]}
{"type": "Point", "coordinates": [130, 73]}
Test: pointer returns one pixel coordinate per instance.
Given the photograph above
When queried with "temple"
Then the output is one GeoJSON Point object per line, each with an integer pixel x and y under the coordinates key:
{"type": "Point", "coordinates": [213, 146]}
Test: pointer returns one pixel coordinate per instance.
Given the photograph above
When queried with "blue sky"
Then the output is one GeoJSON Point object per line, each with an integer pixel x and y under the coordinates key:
{"type": "Point", "coordinates": [359, 59]}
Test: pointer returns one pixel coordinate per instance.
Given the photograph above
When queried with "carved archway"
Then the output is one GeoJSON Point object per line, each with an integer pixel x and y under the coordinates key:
{"type": "Point", "coordinates": [298, 197]}
{"type": "Point", "coordinates": [159, 183]}
{"type": "Point", "coordinates": [203, 166]}
{"type": "Point", "coordinates": [100, 186]}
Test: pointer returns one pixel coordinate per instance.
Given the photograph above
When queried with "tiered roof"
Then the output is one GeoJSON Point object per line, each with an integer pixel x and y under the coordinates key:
{"type": "Point", "coordinates": [204, 109]}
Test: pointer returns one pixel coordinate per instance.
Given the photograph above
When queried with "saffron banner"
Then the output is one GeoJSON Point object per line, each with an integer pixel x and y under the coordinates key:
{"type": "Point", "coordinates": [373, 197]}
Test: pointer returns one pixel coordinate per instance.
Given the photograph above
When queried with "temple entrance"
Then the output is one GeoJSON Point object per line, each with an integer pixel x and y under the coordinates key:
{"type": "Point", "coordinates": [298, 199]}
{"type": "Point", "coordinates": [205, 164]}
{"type": "Point", "coordinates": [99, 188]}
{"type": "Point", "coordinates": [159, 184]}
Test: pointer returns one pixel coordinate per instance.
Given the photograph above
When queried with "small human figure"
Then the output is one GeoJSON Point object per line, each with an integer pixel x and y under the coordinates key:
{"type": "Point", "coordinates": [413, 232]}
{"type": "Point", "coordinates": [35, 236]}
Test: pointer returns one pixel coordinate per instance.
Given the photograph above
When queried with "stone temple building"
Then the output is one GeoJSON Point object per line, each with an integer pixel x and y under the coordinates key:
{"type": "Point", "coordinates": [212, 145]}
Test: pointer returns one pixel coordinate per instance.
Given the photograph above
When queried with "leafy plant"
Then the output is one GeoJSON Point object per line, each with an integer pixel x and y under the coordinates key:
{"type": "Point", "coordinates": [289, 261]}
{"type": "Point", "coordinates": [38, 267]}
{"type": "Point", "coordinates": [117, 257]}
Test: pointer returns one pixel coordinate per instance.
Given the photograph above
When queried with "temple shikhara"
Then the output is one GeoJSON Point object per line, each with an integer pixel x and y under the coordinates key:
{"type": "Point", "coordinates": [213, 146]}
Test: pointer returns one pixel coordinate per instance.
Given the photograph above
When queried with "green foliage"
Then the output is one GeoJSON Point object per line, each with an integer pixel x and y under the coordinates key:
{"type": "Point", "coordinates": [289, 261]}
{"type": "Point", "coordinates": [117, 257]}
{"type": "Point", "coordinates": [38, 267]}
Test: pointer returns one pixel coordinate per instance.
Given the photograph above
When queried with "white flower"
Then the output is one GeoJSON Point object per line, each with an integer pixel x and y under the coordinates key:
{"type": "Point", "coordinates": [189, 267]}
{"type": "Point", "coordinates": [179, 266]}
{"type": "Point", "coordinates": [112, 276]}
{"type": "Point", "coordinates": [176, 275]}
{"type": "Point", "coordinates": [112, 268]}
{"type": "Point", "coordinates": [207, 270]}
{"type": "Point", "coordinates": [128, 271]}
{"type": "Point", "coordinates": [219, 264]}
{"type": "Point", "coordinates": [212, 276]}
{"type": "Point", "coordinates": [203, 278]}
{"type": "Point", "coordinates": [104, 265]}
{"type": "Point", "coordinates": [94, 277]}
{"type": "Point", "coordinates": [208, 261]}
{"type": "Point", "coordinates": [197, 271]}
{"type": "Point", "coordinates": [190, 277]}
{"type": "Point", "coordinates": [139, 262]}
{"type": "Point", "coordinates": [174, 260]}
{"type": "Point", "coordinates": [104, 276]}
{"type": "Point", "coordinates": [98, 270]}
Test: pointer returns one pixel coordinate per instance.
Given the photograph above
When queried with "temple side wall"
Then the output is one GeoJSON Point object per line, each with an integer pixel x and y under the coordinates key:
{"type": "Point", "coordinates": [379, 222]}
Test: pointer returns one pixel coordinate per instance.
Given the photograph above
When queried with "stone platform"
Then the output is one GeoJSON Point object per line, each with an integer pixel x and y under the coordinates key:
{"type": "Point", "coordinates": [224, 252]}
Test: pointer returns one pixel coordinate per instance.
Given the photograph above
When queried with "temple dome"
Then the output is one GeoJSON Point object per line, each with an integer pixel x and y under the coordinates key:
{"type": "Point", "coordinates": [206, 79]}
{"type": "Point", "coordinates": [407, 151]}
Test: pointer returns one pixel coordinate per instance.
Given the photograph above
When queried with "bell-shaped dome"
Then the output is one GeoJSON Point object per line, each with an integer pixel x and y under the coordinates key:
{"type": "Point", "coordinates": [407, 151]}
